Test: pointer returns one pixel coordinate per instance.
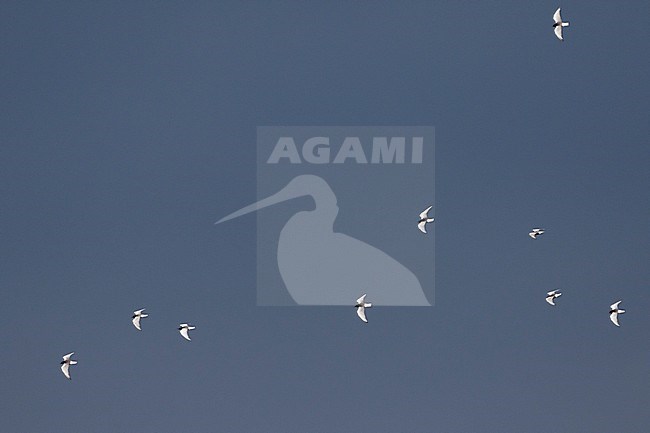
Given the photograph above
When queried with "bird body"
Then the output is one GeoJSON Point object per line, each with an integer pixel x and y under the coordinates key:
{"type": "Point", "coordinates": [137, 315]}
{"type": "Point", "coordinates": [185, 329]}
{"type": "Point", "coordinates": [361, 306]}
{"type": "Point", "coordinates": [66, 363]}
{"type": "Point", "coordinates": [424, 219]}
{"type": "Point", "coordinates": [551, 296]}
{"type": "Point", "coordinates": [558, 24]}
{"type": "Point", "coordinates": [614, 311]}
{"type": "Point", "coordinates": [534, 233]}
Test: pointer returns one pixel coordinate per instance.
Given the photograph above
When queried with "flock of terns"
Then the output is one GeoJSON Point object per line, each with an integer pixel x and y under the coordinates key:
{"type": "Point", "coordinates": [184, 329]}
{"type": "Point", "coordinates": [614, 311]}
{"type": "Point", "coordinates": [361, 304]}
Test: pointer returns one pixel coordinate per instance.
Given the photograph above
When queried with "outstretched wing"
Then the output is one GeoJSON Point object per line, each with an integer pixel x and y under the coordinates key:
{"type": "Point", "coordinates": [614, 318]}
{"type": "Point", "coordinates": [64, 368]}
{"type": "Point", "coordinates": [186, 334]}
{"type": "Point", "coordinates": [425, 212]}
{"type": "Point", "coordinates": [362, 299]}
{"type": "Point", "coordinates": [422, 226]}
{"type": "Point", "coordinates": [136, 322]}
{"type": "Point", "coordinates": [550, 299]}
{"type": "Point", "coordinates": [361, 312]}
{"type": "Point", "coordinates": [556, 16]}
{"type": "Point", "coordinates": [558, 32]}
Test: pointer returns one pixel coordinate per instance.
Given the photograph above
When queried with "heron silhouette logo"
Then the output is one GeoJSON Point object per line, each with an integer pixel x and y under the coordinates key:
{"type": "Point", "coordinates": [367, 186]}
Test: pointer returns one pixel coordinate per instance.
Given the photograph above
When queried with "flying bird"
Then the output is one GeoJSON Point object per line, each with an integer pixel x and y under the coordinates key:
{"type": "Point", "coordinates": [536, 232]}
{"type": "Point", "coordinates": [137, 315]}
{"type": "Point", "coordinates": [424, 219]}
{"type": "Point", "coordinates": [66, 363]}
{"type": "Point", "coordinates": [551, 296]}
{"type": "Point", "coordinates": [185, 329]}
{"type": "Point", "coordinates": [361, 306]}
{"type": "Point", "coordinates": [614, 311]}
{"type": "Point", "coordinates": [557, 26]}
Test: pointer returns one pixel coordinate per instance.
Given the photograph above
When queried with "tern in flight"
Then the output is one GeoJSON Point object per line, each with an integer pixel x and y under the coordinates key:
{"type": "Point", "coordinates": [536, 232]}
{"type": "Point", "coordinates": [614, 311]}
{"type": "Point", "coordinates": [361, 306]}
{"type": "Point", "coordinates": [320, 266]}
{"type": "Point", "coordinates": [185, 329]}
{"type": "Point", "coordinates": [558, 24]}
{"type": "Point", "coordinates": [66, 363]}
{"type": "Point", "coordinates": [424, 219]}
{"type": "Point", "coordinates": [551, 296]}
{"type": "Point", "coordinates": [137, 315]}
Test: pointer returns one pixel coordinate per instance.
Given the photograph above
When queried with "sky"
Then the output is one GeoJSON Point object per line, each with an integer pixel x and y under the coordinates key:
{"type": "Point", "coordinates": [129, 128]}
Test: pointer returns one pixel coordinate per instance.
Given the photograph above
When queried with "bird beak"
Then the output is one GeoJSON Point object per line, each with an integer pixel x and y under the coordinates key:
{"type": "Point", "coordinates": [285, 194]}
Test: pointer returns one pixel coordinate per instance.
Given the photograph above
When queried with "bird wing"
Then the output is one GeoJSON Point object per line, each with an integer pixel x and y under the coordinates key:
{"type": "Point", "coordinates": [425, 212]}
{"type": "Point", "coordinates": [551, 293]}
{"type": "Point", "coordinates": [362, 299]}
{"type": "Point", "coordinates": [533, 235]}
{"type": "Point", "coordinates": [136, 322]}
{"type": "Point", "coordinates": [67, 357]}
{"type": "Point", "coordinates": [138, 312]}
{"type": "Point", "coordinates": [614, 306]}
{"type": "Point", "coordinates": [64, 368]}
{"type": "Point", "coordinates": [186, 334]}
{"type": "Point", "coordinates": [550, 299]}
{"type": "Point", "coordinates": [558, 32]}
{"type": "Point", "coordinates": [361, 312]}
{"type": "Point", "coordinates": [422, 226]}
{"type": "Point", "coordinates": [556, 16]}
{"type": "Point", "coordinates": [614, 318]}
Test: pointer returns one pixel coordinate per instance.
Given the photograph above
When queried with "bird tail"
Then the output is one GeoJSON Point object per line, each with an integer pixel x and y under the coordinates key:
{"type": "Point", "coordinates": [429, 220]}
{"type": "Point", "coordinates": [144, 315]}
{"type": "Point", "coordinates": [565, 24]}
{"type": "Point", "coordinates": [621, 311]}
{"type": "Point", "coordinates": [191, 327]}
{"type": "Point", "coordinates": [73, 362]}
{"type": "Point", "coordinates": [367, 305]}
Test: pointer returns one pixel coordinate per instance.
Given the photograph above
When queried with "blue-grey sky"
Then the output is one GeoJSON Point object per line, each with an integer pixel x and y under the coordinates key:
{"type": "Point", "coordinates": [128, 128]}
